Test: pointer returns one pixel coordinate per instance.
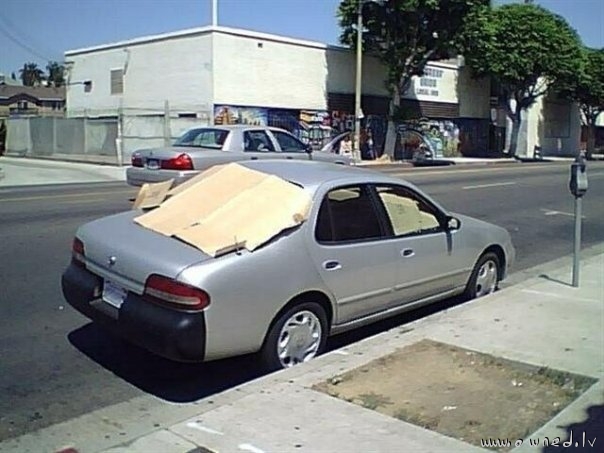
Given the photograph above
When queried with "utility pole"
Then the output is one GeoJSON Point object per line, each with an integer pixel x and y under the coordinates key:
{"type": "Point", "coordinates": [356, 151]}
{"type": "Point", "coordinates": [214, 13]}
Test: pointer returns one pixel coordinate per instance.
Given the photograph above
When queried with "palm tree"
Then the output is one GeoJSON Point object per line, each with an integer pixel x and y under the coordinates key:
{"type": "Point", "coordinates": [56, 73]}
{"type": "Point", "coordinates": [31, 75]}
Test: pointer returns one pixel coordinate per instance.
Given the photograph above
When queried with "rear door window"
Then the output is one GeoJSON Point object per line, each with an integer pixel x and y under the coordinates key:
{"type": "Point", "coordinates": [289, 143]}
{"type": "Point", "coordinates": [348, 214]}
{"type": "Point", "coordinates": [257, 141]}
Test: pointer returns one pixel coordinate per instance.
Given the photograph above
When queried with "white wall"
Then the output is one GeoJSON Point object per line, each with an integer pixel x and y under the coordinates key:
{"type": "Point", "coordinates": [554, 125]}
{"type": "Point", "coordinates": [178, 70]}
{"type": "Point", "coordinates": [341, 73]}
{"type": "Point", "coordinates": [261, 72]}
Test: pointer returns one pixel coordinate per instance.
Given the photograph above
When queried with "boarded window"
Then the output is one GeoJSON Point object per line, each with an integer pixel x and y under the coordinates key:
{"type": "Point", "coordinates": [117, 81]}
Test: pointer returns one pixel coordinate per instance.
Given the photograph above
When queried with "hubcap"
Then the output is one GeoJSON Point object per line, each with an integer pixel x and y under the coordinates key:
{"type": "Point", "coordinates": [486, 280]}
{"type": "Point", "coordinates": [299, 339]}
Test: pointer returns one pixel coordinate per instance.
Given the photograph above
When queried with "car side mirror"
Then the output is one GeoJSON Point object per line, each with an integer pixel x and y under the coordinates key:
{"type": "Point", "coordinates": [308, 149]}
{"type": "Point", "coordinates": [453, 223]}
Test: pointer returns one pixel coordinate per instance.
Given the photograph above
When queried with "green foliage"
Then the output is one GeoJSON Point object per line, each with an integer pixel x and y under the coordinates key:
{"type": "Point", "coordinates": [31, 74]}
{"type": "Point", "coordinates": [406, 34]}
{"type": "Point", "coordinates": [524, 48]}
{"type": "Point", "coordinates": [56, 73]}
{"type": "Point", "coordinates": [586, 85]}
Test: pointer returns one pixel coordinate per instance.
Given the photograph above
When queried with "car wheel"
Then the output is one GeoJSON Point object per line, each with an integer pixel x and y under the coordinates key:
{"type": "Point", "coordinates": [485, 276]}
{"type": "Point", "coordinates": [297, 336]}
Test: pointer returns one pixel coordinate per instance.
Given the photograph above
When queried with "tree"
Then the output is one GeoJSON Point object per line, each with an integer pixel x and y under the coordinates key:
{"type": "Point", "coordinates": [586, 87]}
{"type": "Point", "coordinates": [525, 49]}
{"type": "Point", "coordinates": [13, 76]}
{"type": "Point", "coordinates": [56, 73]}
{"type": "Point", "coordinates": [31, 74]}
{"type": "Point", "coordinates": [405, 35]}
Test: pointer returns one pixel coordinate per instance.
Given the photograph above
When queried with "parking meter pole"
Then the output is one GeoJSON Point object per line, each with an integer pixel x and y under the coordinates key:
{"type": "Point", "coordinates": [577, 252]}
{"type": "Point", "coordinates": [578, 187]}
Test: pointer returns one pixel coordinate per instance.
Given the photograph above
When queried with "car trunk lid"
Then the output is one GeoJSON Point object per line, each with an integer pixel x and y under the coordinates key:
{"type": "Point", "coordinates": [126, 253]}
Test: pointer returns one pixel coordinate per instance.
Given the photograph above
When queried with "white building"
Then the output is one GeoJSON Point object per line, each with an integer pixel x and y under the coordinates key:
{"type": "Point", "coordinates": [163, 84]}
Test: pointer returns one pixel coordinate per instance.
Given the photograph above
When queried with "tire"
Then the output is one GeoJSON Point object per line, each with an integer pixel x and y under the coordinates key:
{"type": "Point", "coordinates": [484, 279]}
{"type": "Point", "coordinates": [298, 335]}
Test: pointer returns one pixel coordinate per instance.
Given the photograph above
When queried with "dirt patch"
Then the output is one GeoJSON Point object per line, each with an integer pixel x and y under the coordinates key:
{"type": "Point", "coordinates": [459, 393]}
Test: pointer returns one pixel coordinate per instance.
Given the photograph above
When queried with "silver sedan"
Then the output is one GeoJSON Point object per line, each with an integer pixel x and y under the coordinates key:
{"type": "Point", "coordinates": [372, 247]}
{"type": "Point", "coordinates": [203, 147]}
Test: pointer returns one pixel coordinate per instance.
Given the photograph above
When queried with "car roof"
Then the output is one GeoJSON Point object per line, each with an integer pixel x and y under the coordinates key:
{"type": "Point", "coordinates": [312, 174]}
{"type": "Point", "coordinates": [234, 127]}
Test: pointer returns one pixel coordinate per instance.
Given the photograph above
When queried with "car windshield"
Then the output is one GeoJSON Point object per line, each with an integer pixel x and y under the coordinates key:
{"type": "Point", "coordinates": [203, 138]}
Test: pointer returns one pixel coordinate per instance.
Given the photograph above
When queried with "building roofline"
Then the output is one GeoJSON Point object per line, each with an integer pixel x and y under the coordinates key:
{"type": "Point", "coordinates": [222, 30]}
{"type": "Point", "coordinates": [200, 31]}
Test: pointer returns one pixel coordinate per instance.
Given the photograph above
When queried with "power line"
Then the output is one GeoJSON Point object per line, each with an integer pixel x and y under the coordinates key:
{"type": "Point", "coordinates": [4, 30]}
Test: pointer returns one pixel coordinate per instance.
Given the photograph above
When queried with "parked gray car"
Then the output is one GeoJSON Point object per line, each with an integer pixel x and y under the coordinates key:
{"type": "Point", "coordinates": [203, 147]}
{"type": "Point", "coordinates": [372, 246]}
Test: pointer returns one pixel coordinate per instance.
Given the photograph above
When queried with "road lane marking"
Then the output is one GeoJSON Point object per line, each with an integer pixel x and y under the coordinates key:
{"type": "Point", "coordinates": [495, 184]}
{"type": "Point", "coordinates": [411, 171]}
{"type": "Point", "coordinates": [552, 212]}
{"type": "Point", "coordinates": [88, 200]}
{"type": "Point", "coordinates": [55, 197]}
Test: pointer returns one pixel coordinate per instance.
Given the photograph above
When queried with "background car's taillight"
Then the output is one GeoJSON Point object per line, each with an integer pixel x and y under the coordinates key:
{"type": "Point", "coordinates": [182, 162]}
{"type": "Point", "coordinates": [137, 160]}
{"type": "Point", "coordinates": [77, 252]}
{"type": "Point", "coordinates": [168, 291]}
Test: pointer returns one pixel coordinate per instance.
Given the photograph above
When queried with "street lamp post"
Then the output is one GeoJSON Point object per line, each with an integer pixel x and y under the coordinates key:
{"type": "Point", "coordinates": [356, 154]}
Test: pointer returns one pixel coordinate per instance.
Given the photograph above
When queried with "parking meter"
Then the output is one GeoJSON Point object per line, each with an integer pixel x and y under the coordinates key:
{"type": "Point", "coordinates": [578, 177]}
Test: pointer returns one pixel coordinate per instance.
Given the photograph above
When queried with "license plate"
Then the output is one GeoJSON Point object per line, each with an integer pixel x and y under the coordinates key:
{"type": "Point", "coordinates": [113, 294]}
{"type": "Point", "coordinates": [152, 164]}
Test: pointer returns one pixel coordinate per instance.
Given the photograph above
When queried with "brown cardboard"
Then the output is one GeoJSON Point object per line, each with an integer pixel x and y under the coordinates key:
{"type": "Point", "coordinates": [152, 195]}
{"type": "Point", "coordinates": [229, 207]}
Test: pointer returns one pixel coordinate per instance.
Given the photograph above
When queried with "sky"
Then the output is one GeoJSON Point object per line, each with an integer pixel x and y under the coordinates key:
{"type": "Point", "coordinates": [41, 30]}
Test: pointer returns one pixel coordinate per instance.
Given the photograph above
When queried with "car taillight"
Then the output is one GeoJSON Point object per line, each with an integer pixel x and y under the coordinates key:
{"type": "Point", "coordinates": [77, 252]}
{"type": "Point", "coordinates": [137, 160]}
{"type": "Point", "coordinates": [168, 291]}
{"type": "Point", "coordinates": [182, 162]}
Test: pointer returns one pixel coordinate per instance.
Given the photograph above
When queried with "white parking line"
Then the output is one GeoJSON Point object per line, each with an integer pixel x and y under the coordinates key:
{"type": "Point", "coordinates": [495, 184]}
{"type": "Point", "coordinates": [557, 296]}
{"type": "Point", "coordinates": [250, 447]}
{"type": "Point", "coordinates": [196, 425]}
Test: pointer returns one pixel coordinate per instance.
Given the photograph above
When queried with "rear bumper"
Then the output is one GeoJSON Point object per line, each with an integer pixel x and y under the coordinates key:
{"type": "Point", "coordinates": [137, 176]}
{"type": "Point", "coordinates": [173, 334]}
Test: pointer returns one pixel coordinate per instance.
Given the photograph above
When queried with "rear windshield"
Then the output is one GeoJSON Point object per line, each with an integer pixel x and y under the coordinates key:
{"type": "Point", "coordinates": [203, 138]}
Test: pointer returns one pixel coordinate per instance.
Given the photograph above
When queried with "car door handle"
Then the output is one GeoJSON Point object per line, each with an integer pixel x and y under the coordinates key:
{"type": "Point", "coordinates": [254, 158]}
{"type": "Point", "coordinates": [407, 253]}
{"type": "Point", "coordinates": [289, 157]}
{"type": "Point", "coordinates": [332, 265]}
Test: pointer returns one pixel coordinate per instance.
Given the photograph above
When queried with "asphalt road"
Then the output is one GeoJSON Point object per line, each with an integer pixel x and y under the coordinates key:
{"type": "Point", "coordinates": [55, 365]}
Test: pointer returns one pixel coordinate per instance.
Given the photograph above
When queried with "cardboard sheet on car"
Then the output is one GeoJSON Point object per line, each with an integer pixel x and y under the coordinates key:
{"type": "Point", "coordinates": [228, 207]}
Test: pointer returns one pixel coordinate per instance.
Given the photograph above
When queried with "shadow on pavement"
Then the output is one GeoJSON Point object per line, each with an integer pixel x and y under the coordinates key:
{"type": "Point", "coordinates": [186, 382]}
{"type": "Point", "coordinates": [356, 335]}
{"type": "Point", "coordinates": [555, 280]}
{"type": "Point", "coordinates": [171, 381]}
{"type": "Point", "coordinates": [587, 436]}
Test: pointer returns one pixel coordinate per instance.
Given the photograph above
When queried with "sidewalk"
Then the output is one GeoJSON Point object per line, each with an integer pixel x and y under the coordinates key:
{"type": "Point", "coordinates": [542, 321]}
{"type": "Point", "coordinates": [19, 171]}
